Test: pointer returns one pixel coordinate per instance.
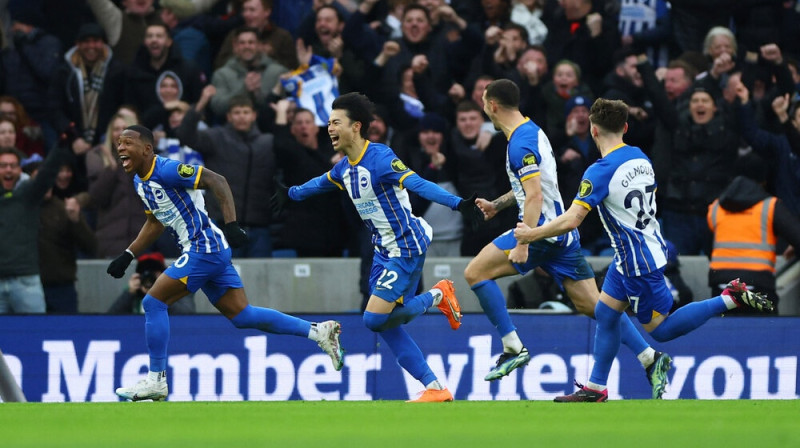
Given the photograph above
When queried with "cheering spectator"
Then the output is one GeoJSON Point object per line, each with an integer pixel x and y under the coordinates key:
{"type": "Point", "coordinates": [30, 60]}
{"type": "Point", "coordinates": [20, 282]}
{"type": "Point", "coordinates": [157, 56]}
{"type": "Point", "coordinates": [301, 157]}
{"type": "Point", "coordinates": [243, 155]}
{"type": "Point", "coordinates": [256, 15]}
{"type": "Point", "coordinates": [87, 88]}
{"type": "Point", "coordinates": [125, 27]}
{"type": "Point", "coordinates": [249, 73]}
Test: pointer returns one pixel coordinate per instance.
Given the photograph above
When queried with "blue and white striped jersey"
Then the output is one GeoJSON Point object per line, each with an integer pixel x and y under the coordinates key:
{"type": "Point", "coordinates": [169, 192]}
{"type": "Point", "coordinates": [640, 16]}
{"type": "Point", "coordinates": [530, 154]}
{"type": "Point", "coordinates": [314, 87]}
{"type": "Point", "coordinates": [622, 185]}
{"type": "Point", "coordinates": [374, 183]}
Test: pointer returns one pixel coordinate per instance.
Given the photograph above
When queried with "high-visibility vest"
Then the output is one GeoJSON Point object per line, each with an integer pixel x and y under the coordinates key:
{"type": "Point", "coordinates": [743, 240]}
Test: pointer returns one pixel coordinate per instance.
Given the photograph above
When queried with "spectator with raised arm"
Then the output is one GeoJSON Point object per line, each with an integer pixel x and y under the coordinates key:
{"type": "Point", "coordinates": [256, 15]}
{"type": "Point", "coordinates": [125, 26]}
{"type": "Point", "coordinates": [87, 88]}
{"type": "Point", "coordinates": [156, 57]}
{"type": "Point", "coordinates": [20, 282]}
{"type": "Point", "coordinates": [246, 157]}
{"type": "Point", "coordinates": [249, 73]}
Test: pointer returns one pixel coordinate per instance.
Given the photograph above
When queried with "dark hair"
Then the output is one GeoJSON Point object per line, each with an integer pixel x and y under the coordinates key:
{"type": "Point", "coordinates": [689, 71]}
{"type": "Point", "coordinates": [162, 25]}
{"type": "Point", "coordinates": [303, 110]}
{"type": "Point", "coordinates": [11, 150]}
{"type": "Point", "coordinates": [339, 15]}
{"type": "Point", "coordinates": [240, 101]}
{"type": "Point", "coordinates": [145, 135]}
{"type": "Point", "coordinates": [621, 55]}
{"type": "Point", "coordinates": [468, 106]}
{"type": "Point", "coordinates": [752, 166]}
{"type": "Point", "coordinates": [245, 29]}
{"type": "Point", "coordinates": [504, 91]}
{"type": "Point", "coordinates": [357, 107]}
{"type": "Point", "coordinates": [417, 6]}
{"type": "Point", "coordinates": [523, 32]}
{"type": "Point", "coordinates": [610, 115]}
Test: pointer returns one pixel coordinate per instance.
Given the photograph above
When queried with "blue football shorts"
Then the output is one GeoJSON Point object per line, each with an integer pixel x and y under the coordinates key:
{"type": "Point", "coordinates": [648, 294]}
{"type": "Point", "coordinates": [213, 273]}
{"type": "Point", "coordinates": [558, 261]}
{"type": "Point", "coordinates": [392, 279]}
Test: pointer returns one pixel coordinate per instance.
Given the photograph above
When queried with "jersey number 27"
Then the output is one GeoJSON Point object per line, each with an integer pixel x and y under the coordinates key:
{"type": "Point", "coordinates": [646, 210]}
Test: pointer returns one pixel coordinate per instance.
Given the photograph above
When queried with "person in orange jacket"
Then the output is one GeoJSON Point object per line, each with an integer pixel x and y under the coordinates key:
{"type": "Point", "coordinates": [746, 222]}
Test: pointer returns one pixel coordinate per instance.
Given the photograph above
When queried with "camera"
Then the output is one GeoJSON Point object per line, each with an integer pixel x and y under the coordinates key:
{"type": "Point", "coordinates": [148, 278]}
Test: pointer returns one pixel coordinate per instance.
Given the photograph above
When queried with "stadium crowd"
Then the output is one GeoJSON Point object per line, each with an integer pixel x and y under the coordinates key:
{"type": "Point", "coordinates": [244, 87]}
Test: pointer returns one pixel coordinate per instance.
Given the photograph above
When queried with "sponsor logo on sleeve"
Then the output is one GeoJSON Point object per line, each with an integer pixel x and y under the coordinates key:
{"type": "Point", "coordinates": [398, 166]}
{"type": "Point", "coordinates": [185, 170]}
{"type": "Point", "coordinates": [585, 189]}
{"type": "Point", "coordinates": [529, 159]}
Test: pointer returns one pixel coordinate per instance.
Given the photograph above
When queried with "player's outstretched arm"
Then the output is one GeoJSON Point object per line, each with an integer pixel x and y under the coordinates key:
{"type": "Point", "coordinates": [315, 186]}
{"type": "Point", "coordinates": [432, 192]}
{"type": "Point", "coordinates": [567, 222]}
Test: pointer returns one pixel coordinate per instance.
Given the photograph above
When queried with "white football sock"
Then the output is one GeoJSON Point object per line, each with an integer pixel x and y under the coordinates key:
{"type": "Point", "coordinates": [438, 295]}
{"type": "Point", "coordinates": [647, 357]}
{"type": "Point", "coordinates": [512, 343]}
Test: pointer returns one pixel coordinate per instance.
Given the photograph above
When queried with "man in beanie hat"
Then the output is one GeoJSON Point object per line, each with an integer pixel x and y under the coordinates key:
{"type": "Point", "coordinates": [87, 88]}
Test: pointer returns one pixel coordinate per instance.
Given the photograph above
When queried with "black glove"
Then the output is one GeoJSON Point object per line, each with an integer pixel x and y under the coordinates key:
{"type": "Point", "coordinates": [117, 267]}
{"type": "Point", "coordinates": [280, 198]}
{"type": "Point", "coordinates": [235, 235]}
{"type": "Point", "coordinates": [69, 135]}
{"type": "Point", "coordinates": [471, 213]}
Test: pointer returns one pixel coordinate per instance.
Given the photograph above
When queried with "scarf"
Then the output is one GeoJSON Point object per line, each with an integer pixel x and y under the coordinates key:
{"type": "Point", "coordinates": [92, 86]}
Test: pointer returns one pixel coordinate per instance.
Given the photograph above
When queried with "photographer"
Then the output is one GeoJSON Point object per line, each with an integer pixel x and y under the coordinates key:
{"type": "Point", "coordinates": [148, 268]}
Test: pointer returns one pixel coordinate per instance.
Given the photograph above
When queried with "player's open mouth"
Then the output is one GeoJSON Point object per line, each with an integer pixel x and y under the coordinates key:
{"type": "Point", "coordinates": [334, 139]}
{"type": "Point", "coordinates": [126, 161]}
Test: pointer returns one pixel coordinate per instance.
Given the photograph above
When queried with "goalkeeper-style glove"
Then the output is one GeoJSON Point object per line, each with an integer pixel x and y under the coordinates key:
{"type": "Point", "coordinates": [118, 266]}
{"type": "Point", "coordinates": [235, 235]}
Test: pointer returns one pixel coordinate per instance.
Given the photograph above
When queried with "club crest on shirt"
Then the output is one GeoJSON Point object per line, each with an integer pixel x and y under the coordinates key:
{"type": "Point", "coordinates": [585, 188]}
{"type": "Point", "coordinates": [185, 170]}
{"type": "Point", "coordinates": [528, 159]}
{"type": "Point", "coordinates": [398, 166]}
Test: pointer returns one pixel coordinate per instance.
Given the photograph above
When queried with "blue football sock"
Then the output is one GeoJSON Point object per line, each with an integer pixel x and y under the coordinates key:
{"type": "Point", "coordinates": [606, 342]}
{"type": "Point", "coordinates": [408, 354]}
{"type": "Point", "coordinates": [631, 337]}
{"type": "Point", "coordinates": [494, 305]}
{"type": "Point", "coordinates": [375, 321]}
{"type": "Point", "coordinates": [271, 321]}
{"type": "Point", "coordinates": [403, 314]}
{"type": "Point", "coordinates": [688, 317]}
{"type": "Point", "coordinates": [156, 331]}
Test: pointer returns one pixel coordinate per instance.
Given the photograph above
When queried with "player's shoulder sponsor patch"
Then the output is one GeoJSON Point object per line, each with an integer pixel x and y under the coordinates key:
{"type": "Point", "coordinates": [585, 188]}
{"type": "Point", "coordinates": [185, 170]}
{"type": "Point", "coordinates": [529, 159]}
{"type": "Point", "coordinates": [398, 166]}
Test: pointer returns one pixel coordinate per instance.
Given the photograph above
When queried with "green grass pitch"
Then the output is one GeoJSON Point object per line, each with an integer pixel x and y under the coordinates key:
{"type": "Point", "coordinates": [379, 424]}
